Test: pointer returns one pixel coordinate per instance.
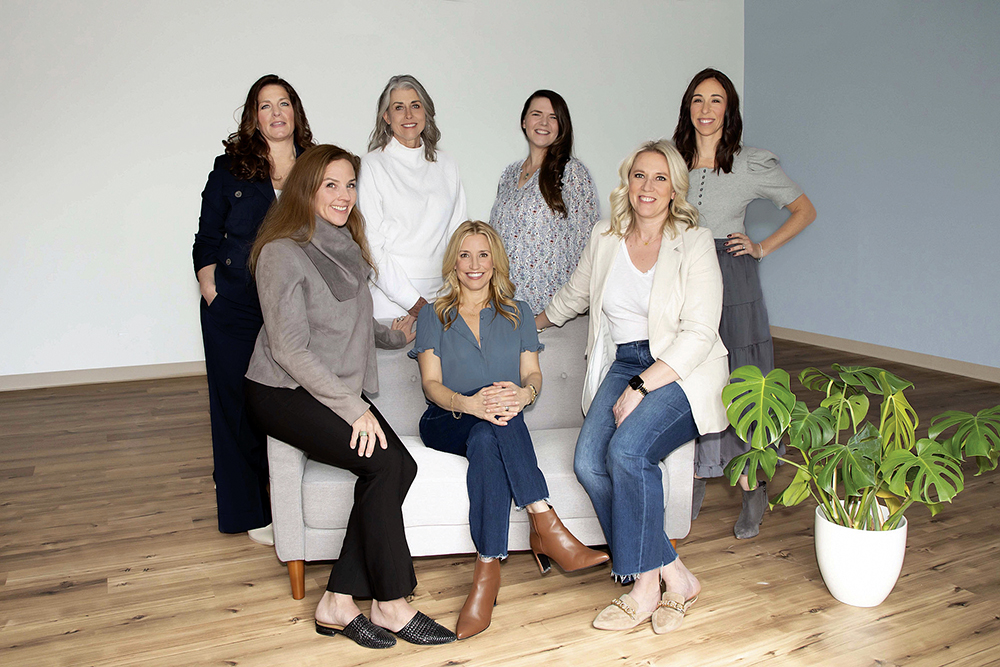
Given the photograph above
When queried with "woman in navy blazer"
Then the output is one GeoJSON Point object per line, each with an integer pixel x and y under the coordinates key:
{"type": "Point", "coordinates": [245, 180]}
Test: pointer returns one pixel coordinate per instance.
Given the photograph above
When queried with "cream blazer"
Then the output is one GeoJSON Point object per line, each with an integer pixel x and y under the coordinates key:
{"type": "Point", "coordinates": [684, 310]}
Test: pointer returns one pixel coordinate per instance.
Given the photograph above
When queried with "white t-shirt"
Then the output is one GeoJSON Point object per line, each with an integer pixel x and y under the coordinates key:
{"type": "Point", "coordinates": [626, 299]}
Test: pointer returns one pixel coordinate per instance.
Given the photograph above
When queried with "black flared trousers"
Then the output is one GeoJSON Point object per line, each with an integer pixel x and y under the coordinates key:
{"type": "Point", "coordinates": [239, 450]}
{"type": "Point", "coordinates": [375, 560]}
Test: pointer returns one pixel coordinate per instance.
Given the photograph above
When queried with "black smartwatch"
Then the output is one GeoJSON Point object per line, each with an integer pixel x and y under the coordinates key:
{"type": "Point", "coordinates": [636, 383]}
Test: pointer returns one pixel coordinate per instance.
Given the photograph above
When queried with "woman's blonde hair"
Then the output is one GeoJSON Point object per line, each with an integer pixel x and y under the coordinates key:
{"type": "Point", "coordinates": [679, 212]}
{"type": "Point", "coordinates": [501, 288]}
{"type": "Point", "coordinates": [293, 216]}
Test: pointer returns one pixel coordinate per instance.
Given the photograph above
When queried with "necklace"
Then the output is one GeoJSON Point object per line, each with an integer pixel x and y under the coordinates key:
{"type": "Point", "coordinates": [526, 173]}
{"type": "Point", "coordinates": [637, 239]}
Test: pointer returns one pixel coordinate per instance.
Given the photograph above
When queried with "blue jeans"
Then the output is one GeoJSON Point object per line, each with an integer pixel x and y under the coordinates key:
{"type": "Point", "coordinates": [619, 466]}
{"type": "Point", "coordinates": [502, 466]}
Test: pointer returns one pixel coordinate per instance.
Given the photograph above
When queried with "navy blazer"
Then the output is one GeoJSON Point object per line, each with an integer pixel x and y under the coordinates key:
{"type": "Point", "coordinates": [231, 213]}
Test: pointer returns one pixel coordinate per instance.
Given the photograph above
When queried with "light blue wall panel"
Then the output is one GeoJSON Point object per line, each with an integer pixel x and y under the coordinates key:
{"type": "Point", "coordinates": [888, 115]}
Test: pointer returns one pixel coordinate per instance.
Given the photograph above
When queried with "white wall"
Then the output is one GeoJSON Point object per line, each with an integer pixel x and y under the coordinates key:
{"type": "Point", "coordinates": [115, 110]}
{"type": "Point", "coordinates": [886, 113]}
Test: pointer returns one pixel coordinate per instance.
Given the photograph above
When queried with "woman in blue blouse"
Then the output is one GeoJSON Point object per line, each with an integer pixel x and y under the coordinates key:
{"type": "Point", "coordinates": [546, 204]}
{"type": "Point", "coordinates": [478, 355]}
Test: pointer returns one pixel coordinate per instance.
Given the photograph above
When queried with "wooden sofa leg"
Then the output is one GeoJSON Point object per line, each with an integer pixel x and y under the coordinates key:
{"type": "Point", "coordinates": [297, 575]}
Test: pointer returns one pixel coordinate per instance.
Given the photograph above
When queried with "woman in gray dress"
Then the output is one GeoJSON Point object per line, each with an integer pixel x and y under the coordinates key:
{"type": "Point", "coordinates": [725, 177]}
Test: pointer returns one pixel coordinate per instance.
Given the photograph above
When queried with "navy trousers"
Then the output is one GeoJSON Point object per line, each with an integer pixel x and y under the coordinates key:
{"type": "Point", "coordinates": [229, 330]}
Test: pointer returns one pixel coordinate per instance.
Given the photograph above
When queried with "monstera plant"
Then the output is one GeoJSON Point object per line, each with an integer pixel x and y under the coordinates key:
{"type": "Point", "coordinates": [864, 468]}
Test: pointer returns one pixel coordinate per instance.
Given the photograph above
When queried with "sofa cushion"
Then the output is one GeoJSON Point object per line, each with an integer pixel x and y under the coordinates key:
{"type": "Point", "coordinates": [439, 496]}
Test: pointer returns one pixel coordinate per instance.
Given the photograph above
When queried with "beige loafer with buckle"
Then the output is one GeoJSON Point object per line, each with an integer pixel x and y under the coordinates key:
{"type": "Point", "coordinates": [621, 614]}
{"type": "Point", "coordinates": [669, 614]}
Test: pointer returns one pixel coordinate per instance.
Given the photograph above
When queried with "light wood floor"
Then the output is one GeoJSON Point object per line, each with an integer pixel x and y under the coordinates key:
{"type": "Point", "coordinates": [110, 556]}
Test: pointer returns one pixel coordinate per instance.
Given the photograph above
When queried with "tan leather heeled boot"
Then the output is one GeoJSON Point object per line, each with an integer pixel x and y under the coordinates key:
{"type": "Point", "coordinates": [550, 538]}
{"type": "Point", "coordinates": [477, 612]}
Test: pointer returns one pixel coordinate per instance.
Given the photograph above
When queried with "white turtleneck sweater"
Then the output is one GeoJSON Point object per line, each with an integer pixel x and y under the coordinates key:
{"type": "Point", "coordinates": [411, 207]}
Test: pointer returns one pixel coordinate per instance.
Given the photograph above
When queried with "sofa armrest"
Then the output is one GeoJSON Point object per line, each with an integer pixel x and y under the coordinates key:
{"type": "Point", "coordinates": [287, 465]}
{"type": "Point", "coordinates": [678, 483]}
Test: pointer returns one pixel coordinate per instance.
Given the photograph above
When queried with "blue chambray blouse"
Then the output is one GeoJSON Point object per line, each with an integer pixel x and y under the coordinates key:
{"type": "Point", "coordinates": [465, 366]}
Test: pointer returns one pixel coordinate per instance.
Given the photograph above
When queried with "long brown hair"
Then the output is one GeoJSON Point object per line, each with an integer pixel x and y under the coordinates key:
{"type": "Point", "coordinates": [246, 147]}
{"type": "Point", "coordinates": [732, 125]}
{"type": "Point", "coordinates": [501, 288]}
{"type": "Point", "coordinates": [558, 154]}
{"type": "Point", "coordinates": [293, 216]}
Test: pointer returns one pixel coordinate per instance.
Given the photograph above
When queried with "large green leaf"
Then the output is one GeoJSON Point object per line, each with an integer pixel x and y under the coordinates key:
{"type": "Point", "coordinates": [751, 462]}
{"type": "Point", "coordinates": [852, 408]}
{"type": "Point", "coordinates": [899, 422]}
{"type": "Point", "coordinates": [796, 491]}
{"type": "Point", "coordinates": [977, 436]}
{"type": "Point", "coordinates": [817, 380]}
{"type": "Point", "coordinates": [929, 470]}
{"type": "Point", "coordinates": [758, 407]}
{"type": "Point", "coordinates": [853, 463]}
{"type": "Point", "coordinates": [875, 380]}
{"type": "Point", "coordinates": [810, 429]}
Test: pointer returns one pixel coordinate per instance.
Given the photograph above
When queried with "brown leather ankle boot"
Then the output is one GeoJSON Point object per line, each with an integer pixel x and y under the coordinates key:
{"type": "Point", "coordinates": [549, 538]}
{"type": "Point", "coordinates": [477, 612]}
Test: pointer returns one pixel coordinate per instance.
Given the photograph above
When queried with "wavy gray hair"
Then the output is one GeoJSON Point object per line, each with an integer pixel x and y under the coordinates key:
{"type": "Point", "coordinates": [383, 132]}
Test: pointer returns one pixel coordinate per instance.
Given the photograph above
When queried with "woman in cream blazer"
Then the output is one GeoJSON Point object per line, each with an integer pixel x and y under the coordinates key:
{"type": "Point", "coordinates": [655, 372]}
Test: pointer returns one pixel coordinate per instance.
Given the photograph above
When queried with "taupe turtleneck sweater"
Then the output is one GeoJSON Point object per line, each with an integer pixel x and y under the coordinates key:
{"type": "Point", "coordinates": [318, 328]}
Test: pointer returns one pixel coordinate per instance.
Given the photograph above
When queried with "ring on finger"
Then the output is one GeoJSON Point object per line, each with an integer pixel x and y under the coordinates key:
{"type": "Point", "coordinates": [362, 434]}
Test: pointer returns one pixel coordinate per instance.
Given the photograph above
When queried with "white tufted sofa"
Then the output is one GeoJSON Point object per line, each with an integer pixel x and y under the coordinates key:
{"type": "Point", "coordinates": [311, 501]}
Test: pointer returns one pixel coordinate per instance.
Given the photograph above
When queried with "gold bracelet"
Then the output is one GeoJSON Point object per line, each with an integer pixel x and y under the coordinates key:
{"type": "Point", "coordinates": [534, 394]}
{"type": "Point", "coordinates": [451, 406]}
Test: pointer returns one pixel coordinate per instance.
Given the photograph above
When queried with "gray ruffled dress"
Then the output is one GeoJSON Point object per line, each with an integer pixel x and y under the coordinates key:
{"type": "Point", "coordinates": [722, 201]}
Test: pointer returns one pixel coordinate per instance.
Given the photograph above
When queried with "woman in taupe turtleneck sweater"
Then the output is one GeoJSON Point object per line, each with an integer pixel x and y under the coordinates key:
{"type": "Point", "coordinates": [313, 359]}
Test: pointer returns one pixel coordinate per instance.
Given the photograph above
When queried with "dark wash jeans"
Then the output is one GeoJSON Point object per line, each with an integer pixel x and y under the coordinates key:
{"type": "Point", "coordinates": [375, 558]}
{"type": "Point", "coordinates": [502, 466]}
{"type": "Point", "coordinates": [620, 466]}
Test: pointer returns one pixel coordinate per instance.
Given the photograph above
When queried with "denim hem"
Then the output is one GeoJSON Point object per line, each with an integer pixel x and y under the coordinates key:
{"type": "Point", "coordinates": [491, 558]}
{"type": "Point", "coordinates": [624, 578]}
{"type": "Point", "coordinates": [628, 578]}
{"type": "Point", "coordinates": [520, 508]}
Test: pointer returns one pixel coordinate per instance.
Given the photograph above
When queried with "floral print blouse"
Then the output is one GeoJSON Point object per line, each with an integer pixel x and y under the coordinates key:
{"type": "Point", "coordinates": [544, 247]}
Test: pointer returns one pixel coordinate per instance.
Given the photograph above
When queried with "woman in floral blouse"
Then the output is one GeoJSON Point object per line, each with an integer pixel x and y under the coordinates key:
{"type": "Point", "coordinates": [546, 205]}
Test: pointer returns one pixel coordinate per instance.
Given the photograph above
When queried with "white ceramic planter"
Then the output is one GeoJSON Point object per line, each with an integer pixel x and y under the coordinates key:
{"type": "Point", "coordinates": [859, 567]}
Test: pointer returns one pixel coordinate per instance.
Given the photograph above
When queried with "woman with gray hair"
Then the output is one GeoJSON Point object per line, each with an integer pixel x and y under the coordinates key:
{"type": "Point", "coordinates": [412, 198]}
